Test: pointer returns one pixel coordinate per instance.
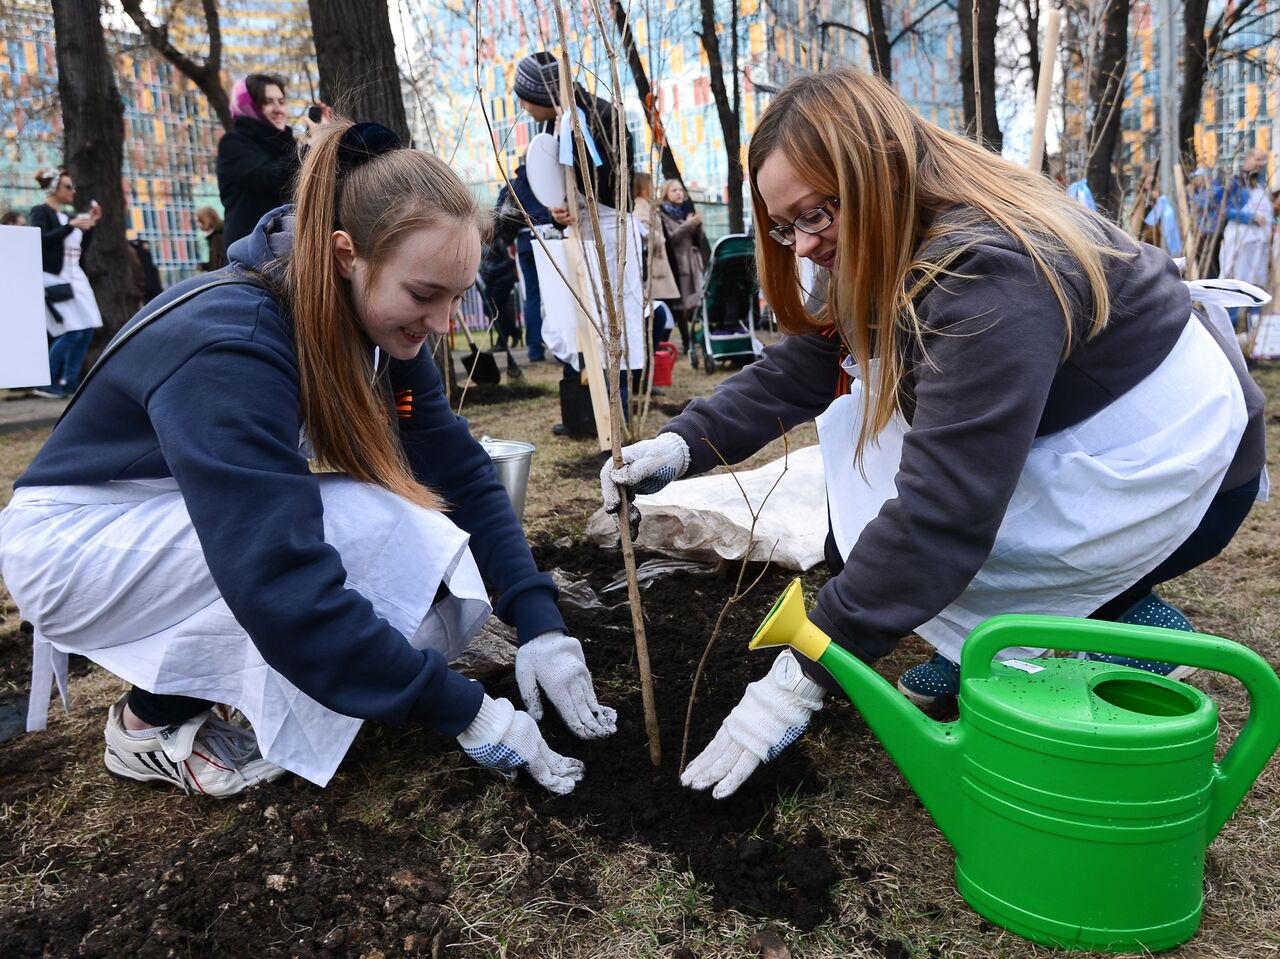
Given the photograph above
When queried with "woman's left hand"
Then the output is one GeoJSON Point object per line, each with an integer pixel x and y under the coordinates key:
{"type": "Point", "coordinates": [772, 715]}
{"type": "Point", "coordinates": [555, 662]}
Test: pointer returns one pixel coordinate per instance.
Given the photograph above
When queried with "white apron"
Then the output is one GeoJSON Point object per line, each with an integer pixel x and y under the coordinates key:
{"type": "Point", "coordinates": [116, 573]}
{"type": "Point", "coordinates": [1098, 505]}
{"type": "Point", "coordinates": [81, 311]}
{"type": "Point", "coordinates": [1246, 247]}
{"type": "Point", "coordinates": [632, 300]}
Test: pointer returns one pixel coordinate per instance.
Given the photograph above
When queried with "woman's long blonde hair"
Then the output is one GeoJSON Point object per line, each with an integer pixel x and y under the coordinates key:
{"type": "Point", "coordinates": [851, 136]}
{"type": "Point", "coordinates": [346, 409]}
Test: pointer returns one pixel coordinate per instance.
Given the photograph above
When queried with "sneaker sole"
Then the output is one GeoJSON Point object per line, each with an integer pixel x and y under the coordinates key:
{"type": "Point", "coordinates": [120, 771]}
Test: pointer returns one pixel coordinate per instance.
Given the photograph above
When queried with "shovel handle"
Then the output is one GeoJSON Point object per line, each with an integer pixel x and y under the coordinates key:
{"type": "Point", "coordinates": [1258, 738]}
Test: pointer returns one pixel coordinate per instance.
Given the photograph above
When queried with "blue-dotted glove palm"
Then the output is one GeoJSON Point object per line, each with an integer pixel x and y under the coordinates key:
{"type": "Point", "coordinates": [772, 715]}
{"type": "Point", "coordinates": [555, 662]}
{"type": "Point", "coordinates": [505, 739]}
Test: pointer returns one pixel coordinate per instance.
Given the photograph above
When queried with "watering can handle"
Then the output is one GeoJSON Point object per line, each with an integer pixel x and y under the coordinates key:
{"type": "Point", "coordinates": [1258, 738]}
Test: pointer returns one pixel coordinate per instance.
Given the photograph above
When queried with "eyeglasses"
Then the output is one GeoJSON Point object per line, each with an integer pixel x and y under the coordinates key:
{"type": "Point", "coordinates": [810, 221]}
{"type": "Point", "coordinates": [66, 186]}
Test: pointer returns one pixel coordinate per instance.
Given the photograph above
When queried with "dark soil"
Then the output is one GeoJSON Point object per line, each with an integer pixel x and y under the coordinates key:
{"type": "Point", "coordinates": [730, 844]}
{"type": "Point", "coordinates": [483, 395]}
{"type": "Point", "coordinates": [285, 877]}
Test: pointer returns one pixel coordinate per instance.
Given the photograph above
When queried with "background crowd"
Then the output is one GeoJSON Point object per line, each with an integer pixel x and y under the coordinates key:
{"type": "Point", "coordinates": [1233, 225]}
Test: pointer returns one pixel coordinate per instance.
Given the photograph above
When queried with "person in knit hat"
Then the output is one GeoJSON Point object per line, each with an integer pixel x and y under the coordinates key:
{"type": "Point", "coordinates": [537, 86]}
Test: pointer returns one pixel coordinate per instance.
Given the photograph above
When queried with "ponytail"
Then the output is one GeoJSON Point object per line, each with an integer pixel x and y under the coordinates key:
{"type": "Point", "coordinates": [347, 418]}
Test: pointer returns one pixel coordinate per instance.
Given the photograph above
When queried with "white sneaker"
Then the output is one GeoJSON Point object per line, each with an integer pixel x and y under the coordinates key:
{"type": "Point", "coordinates": [205, 755]}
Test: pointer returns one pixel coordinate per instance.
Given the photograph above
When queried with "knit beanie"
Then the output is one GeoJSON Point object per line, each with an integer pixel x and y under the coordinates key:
{"type": "Point", "coordinates": [538, 79]}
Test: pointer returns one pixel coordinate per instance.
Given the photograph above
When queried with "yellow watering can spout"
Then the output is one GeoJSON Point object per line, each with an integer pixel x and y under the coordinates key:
{"type": "Point", "coordinates": [788, 625]}
{"type": "Point", "coordinates": [927, 752]}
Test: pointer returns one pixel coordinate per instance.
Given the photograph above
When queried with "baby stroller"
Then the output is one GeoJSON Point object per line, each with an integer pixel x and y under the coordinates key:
{"type": "Point", "coordinates": [725, 322]}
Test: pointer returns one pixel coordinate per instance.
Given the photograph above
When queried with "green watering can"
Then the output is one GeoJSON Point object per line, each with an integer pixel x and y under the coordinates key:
{"type": "Point", "coordinates": [1079, 796]}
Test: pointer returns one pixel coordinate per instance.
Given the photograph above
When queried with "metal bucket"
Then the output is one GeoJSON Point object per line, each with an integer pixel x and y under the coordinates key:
{"type": "Point", "coordinates": [511, 459]}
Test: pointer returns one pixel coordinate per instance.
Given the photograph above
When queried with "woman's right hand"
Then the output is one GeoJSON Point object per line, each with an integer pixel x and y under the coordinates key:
{"type": "Point", "coordinates": [505, 739]}
{"type": "Point", "coordinates": [82, 221]}
{"type": "Point", "coordinates": [326, 116]}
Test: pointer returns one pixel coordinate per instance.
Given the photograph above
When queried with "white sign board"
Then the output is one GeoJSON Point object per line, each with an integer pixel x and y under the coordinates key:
{"type": "Point", "coordinates": [1266, 343]}
{"type": "Point", "coordinates": [24, 346]}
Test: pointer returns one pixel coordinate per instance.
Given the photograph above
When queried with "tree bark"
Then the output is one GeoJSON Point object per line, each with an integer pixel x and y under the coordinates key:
{"type": "Point", "coordinates": [1195, 60]}
{"type": "Point", "coordinates": [881, 52]}
{"type": "Point", "coordinates": [356, 55]}
{"type": "Point", "coordinates": [670, 168]}
{"type": "Point", "coordinates": [1106, 89]}
{"type": "Point", "coordinates": [93, 149]}
{"type": "Point", "coordinates": [726, 111]}
{"type": "Point", "coordinates": [208, 75]}
{"type": "Point", "coordinates": [992, 138]}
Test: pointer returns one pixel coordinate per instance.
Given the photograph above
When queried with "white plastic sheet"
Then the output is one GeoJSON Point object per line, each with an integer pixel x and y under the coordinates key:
{"type": "Point", "coordinates": [706, 518]}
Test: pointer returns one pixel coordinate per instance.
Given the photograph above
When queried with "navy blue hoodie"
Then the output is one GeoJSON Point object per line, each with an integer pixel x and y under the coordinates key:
{"type": "Point", "coordinates": [208, 395]}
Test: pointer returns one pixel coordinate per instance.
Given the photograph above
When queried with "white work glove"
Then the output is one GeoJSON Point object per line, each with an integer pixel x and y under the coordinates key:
{"type": "Point", "coordinates": [647, 467]}
{"type": "Point", "coordinates": [772, 715]}
{"type": "Point", "coordinates": [503, 738]}
{"type": "Point", "coordinates": [555, 662]}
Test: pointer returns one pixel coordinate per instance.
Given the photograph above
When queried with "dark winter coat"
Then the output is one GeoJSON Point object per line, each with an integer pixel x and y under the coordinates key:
{"type": "Point", "coordinates": [53, 236]}
{"type": "Point", "coordinates": [217, 250]}
{"type": "Point", "coordinates": [256, 166]}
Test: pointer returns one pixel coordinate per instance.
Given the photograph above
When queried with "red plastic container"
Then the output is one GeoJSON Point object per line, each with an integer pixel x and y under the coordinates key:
{"type": "Point", "coordinates": [664, 362]}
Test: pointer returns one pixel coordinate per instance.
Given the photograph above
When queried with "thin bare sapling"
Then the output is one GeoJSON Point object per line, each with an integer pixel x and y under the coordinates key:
{"type": "Point", "coordinates": [739, 593]}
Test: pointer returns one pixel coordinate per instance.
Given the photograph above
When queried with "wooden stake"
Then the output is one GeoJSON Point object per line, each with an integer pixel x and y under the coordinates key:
{"type": "Point", "coordinates": [1048, 60]}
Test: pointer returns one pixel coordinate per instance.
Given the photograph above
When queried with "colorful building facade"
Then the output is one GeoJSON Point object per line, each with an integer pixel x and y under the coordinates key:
{"type": "Point", "coordinates": [1241, 94]}
{"type": "Point", "coordinates": [171, 134]}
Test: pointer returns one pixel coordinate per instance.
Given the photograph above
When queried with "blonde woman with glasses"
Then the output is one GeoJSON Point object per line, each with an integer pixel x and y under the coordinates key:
{"type": "Point", "coordinates": [1018, 410]}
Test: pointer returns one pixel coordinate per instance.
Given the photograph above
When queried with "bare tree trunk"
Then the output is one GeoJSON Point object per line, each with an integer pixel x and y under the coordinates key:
{"type": "Point", "coordinates": [356, 54]}
{"type": "Point", "coordinates": [208, 75]}
{"type": "Point", "coordinates": [881, 52]}
{"type": "Point", "coordinates": [1106, 90]}
{"type": "Point", "coordinates": [93, 148]}
{"type": "Point", "coordinates": [1195, 61]}
{"type": "Point", "coordinates": [726, 110]}
{"type": "Point", "coordinates": [670, 168]}
{"type": "Point", "coordinates": [992, 138]}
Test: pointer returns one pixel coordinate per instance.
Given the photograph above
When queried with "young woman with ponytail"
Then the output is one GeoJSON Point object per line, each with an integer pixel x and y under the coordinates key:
{"type": "Point", "coordinates": [1018, 410]}
{"type": "Point", "coordinates": [262, 499]}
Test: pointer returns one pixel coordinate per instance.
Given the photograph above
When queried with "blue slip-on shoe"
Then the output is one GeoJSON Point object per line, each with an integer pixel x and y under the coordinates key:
{"type": "Point", "coordinates": [925, 684]}
{"type": "Point", "coordinates": [1151, 610]}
